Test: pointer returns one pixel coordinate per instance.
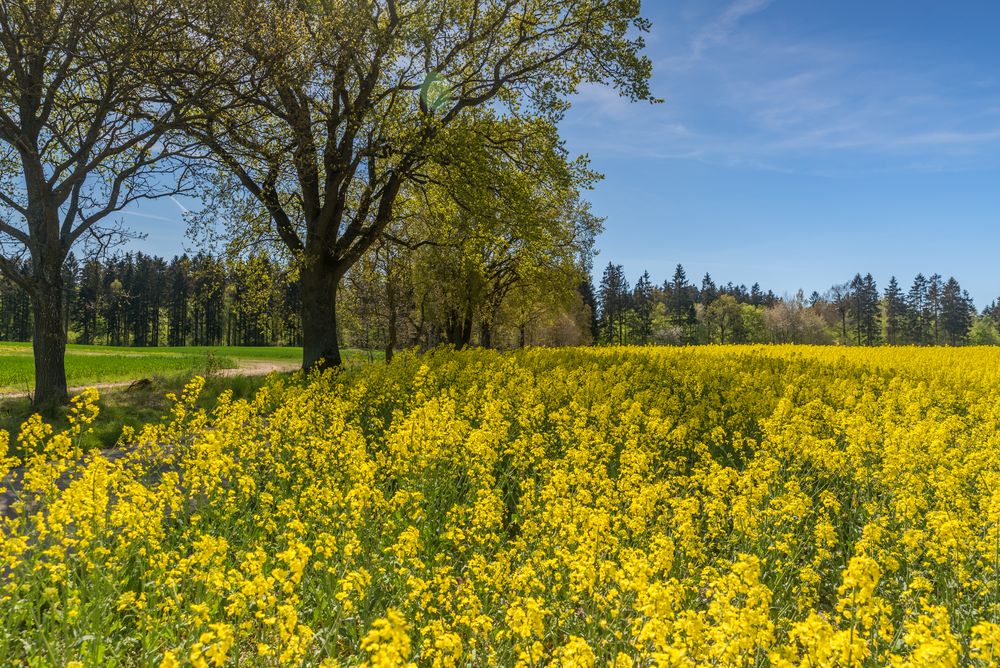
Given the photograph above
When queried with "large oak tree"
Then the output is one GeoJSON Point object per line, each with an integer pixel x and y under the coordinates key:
{"type": "Point", "coordinates": [338, 104]}
{"type": "Point", "coordinates": [82, 137]}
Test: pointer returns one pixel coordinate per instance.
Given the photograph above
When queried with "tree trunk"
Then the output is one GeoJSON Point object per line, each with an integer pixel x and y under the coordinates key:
{"type": "Point", "coordinates": [390, 344]}
{"type": "Point", "coordinates": [467, 329]}
{"type": "Point", "coordinates": [49, 341]}
{"type": "Point", "coordinates": [485, 334]}
{"type": "Point", "coordinates": [460, 328]}
{"type": "Point", "coordinates": [420, 337]}
{"type": "Point", "coordinates": [320, 344]}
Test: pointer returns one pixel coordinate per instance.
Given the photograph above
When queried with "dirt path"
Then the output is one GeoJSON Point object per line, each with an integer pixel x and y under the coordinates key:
{"type": "Point", "coordinates": [245, 368]}
{"type": "Point", "coordinates": [260, 368]}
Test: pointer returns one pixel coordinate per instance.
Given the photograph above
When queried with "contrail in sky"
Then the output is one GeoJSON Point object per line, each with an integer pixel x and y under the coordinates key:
{"type": "Point", "coordinates": [180, 206]}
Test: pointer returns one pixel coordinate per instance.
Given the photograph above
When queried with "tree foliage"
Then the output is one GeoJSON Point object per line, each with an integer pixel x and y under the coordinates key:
{"type": "Point", "coordinates": [83, 135]}
{"type": "Point", "coordinates": [343, 106]}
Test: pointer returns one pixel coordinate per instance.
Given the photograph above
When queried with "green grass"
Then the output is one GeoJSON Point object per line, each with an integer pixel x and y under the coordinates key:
{"type": "Point", "coordinates": [87, 365]}
{"type": "Point", "coordinates": [106, 364]}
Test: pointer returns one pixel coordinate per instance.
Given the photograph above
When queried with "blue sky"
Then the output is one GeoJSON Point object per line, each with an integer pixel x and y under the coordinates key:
{"type": "Point", "coordinates": [801, 142]}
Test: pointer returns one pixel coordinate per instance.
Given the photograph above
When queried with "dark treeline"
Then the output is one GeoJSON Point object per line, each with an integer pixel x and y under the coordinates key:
{"type": "Point", "coordinates": [143, 300]}
{"type": "Point", "coordinates": [933, 311]}
{"type": "Point", "coordinates": [391, 301]}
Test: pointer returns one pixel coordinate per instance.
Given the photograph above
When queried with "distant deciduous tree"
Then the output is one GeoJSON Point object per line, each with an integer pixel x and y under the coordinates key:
{"type": "Point", "coordinates": [724, 318]}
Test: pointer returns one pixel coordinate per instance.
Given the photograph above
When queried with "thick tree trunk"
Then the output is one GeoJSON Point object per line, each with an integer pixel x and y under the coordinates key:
{"type": "Point", "coordinates": [460, 331]}
{"type": "Point", "coordinates": [320, 343]}
{"type": "Point", "coordinates": [455, 326]}
{"type": "Point", "coordinates": [49, 341]}
{"type": "Point", "coordinates": [485, 334]}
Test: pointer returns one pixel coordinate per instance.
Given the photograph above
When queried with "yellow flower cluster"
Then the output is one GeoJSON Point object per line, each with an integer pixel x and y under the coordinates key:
{"type": "Point", "coordinates": [728, 506]}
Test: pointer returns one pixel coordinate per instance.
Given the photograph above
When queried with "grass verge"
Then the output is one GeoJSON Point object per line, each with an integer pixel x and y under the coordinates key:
{"type": "Point", "coordinates": [121, 407]}
{"type": "Point", "coordinates": [168, 370]}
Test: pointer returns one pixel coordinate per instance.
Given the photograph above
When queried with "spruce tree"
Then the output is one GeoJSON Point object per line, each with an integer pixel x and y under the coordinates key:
{"type": "Point", "coordinates": [916, 307]}
{"type": "Point", "coordinates": [895, 312]}
{"type": "Point", "coordinates": [589, 299]}
{"type": "Point", "coordinates": [613, 292]}
{"type": "Point", "coordinates": [642, 300]}
{"type": "Point", "coordinates": [709, 292]}
{"type": "Point", "coordinates": [857, 306]}
{"type": "Point", "coordinates": [870, 311]}
{"type": "Point", "coordinates": [680, 299]}
{"type": "Point", "coordinates": [956, 313]}
{"type": "Point", "coordinates": [933, 307]}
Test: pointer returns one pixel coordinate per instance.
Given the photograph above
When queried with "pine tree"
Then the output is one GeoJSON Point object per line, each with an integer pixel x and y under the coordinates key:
{"type": "Point", "coordinates": [956, 313]}
{"type": "Point", "coordinates": [895, 312]}
{"type": "Point", "coordinates": [71, 277]}
{"type": "Point", "coordinates": [993, 312]}
{"type": "Point", "coordinates": [642, 300]}
{"type": "Point", "coordinates": [680, 300]}
{"type": "Point", "coordinates": [932, 309]}
{"type": "Point", "coordinates": [178, 282]}
{"type": "Point", "coordinates": [870, 312]}
{"type": "Point", "coordinates": [857, 306]}
{"type": "Point", "coordinates": [114, 302]}
{"type": "Point", "coordinates": [87, 306]}
{"type": "Point", "coordinates": [15, 311]}
{"type": "Point", "coordinates": [916, 308]}
{"type": "Point", "coordinates": [613, 292]}
{"type": "Point", "coordinates": [709, 293]}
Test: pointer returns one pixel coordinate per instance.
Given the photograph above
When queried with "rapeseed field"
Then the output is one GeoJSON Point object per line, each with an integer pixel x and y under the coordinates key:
{"type": "Point", "coordinates": [726, 506]}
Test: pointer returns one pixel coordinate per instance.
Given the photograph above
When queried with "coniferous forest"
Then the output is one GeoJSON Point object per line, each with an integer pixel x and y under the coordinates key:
{"type": "Point", "coordinates": [141, 300]}
{"type": "Point", "coordinates": [679, 311]}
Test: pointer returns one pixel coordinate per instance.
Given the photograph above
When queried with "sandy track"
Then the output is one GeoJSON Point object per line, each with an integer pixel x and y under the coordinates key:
{"type": "Point", "coordinates": [245, 368]}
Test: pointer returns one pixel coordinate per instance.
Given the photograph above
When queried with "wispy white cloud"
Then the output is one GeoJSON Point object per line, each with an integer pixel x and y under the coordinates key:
{"type": "Point", "coordinates": [755, 97]}
{"type": "Point", "coordinates": [150, 216]}
{"type": "Point", "coordinates": [718, 31]}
